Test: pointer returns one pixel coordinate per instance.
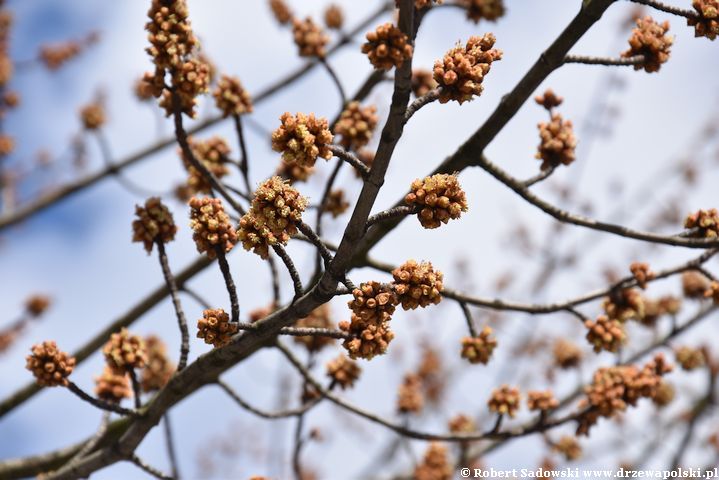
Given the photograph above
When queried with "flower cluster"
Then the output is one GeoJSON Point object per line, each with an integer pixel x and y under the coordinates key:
{"type": "Point", "coordinates": [334, 17]}
{"type": "Point", "coordinates": [231, 98]}
{"type": "Point", "coordinates": [113, 386]}
{"type": "Point", "coordinates": [665, 394]}
{"type": "Point", "coordinates": [148, 86]}
{"type": "Point", "coordinates": [417, 284]}
{"type": "Point", "coordinates": [704, 223]}
{"type": "Point", "coordinates": [6, 64]}
{"type": "Point", "coordinates": [281, 11]}
{"type": "Point", "coordinates": [695, 284]}
{"type": "Point", "coordinates": [479, 349]}
{"type": "Point", "coordinates": [435, 464]}
{"type": "Point", "coordinates": [504, 400]}
{"type": "Point", "coordinates": [343, 371]}
{"type": "Point", "coordinates": [36, 305]}
{"type": "Point", "coordinates": [461, 424]}
{"type": "Point", "coordinates": [569, 447]}
{"type": "Point", "coordinates": [173, 48]}
{"type": "Point", "coordinates": [690, 358]}
{"type": "Point", "coordinates": [432, 373]}
{"type": "Point", "coordinates": [272, 219]}
{"type": "Point", "coordinates": [410, 398]}
{"type": "Point", "coordinates": [309, 38]}
{"type": "Point", "coordinates": [302, 138]}
{"type": "Point", "coordinates": [170, 33]}
{"type": "Point", "coordinates": [566, 354]}
{"type": "Point", "coordinates": [605, 334]}
{"type": "Point", "coordinates": [707, 23]}
{"type": "Point", "coordinates": [211, 226]}
{"type": "Point", "coordinates": [653, 309]}
{"type": "Point", "coordinates": [124, 351]}
{"type": "Point", "coordinates": [320, 317]}
{"type": "Point", "coordinates": [625, 304]}
{"type": "Point", "coordinates": [713, 292]}
{"type": "Point", "coordinates": [549, 100]}
{"type": "Point", "coordinates": [422, 82]}
{"type": "Point", "coordinates": [215, 327]}
{"type": "Point", "coordinates": [191, 79]}
{"type": "Point", "coordinates": [461, 71]}
{"type": "Point", "coordinates": [649, 39]}
{"type": "Point", "coordinates": [92, 116]}
{"type": "Point", "coordinates": [49, 365]}
{"type": "Point", "coordinates": [483, 9]}
{"type": "Point", "coordinates": [356, 125]}
{"type": "Point", "coordinates": [439, 198]}
{"type": "Point", "coordinates": [372, 308]}
{"type": "Point", "coordinates": [373, 302]}
{"type": "Point", "coordinates": [159, 368]}
{"type": "Point", "coordinates": [336, 204]}
{"type": "Point", "coordinates": [557, 142]}
{"type": "Point", "coordinates": [541, 400]}
{"type": "Point", "coordinates": [154, 224]}
{"type": "Point", "coordinates": [614, 388]}
{"type": "Point", "coordinates": [213, 153]}
{"type": "Point", "coordinates": [387, 47]}
{"type": "Point", "coordinates": [641, 273]}
{"type": "Point", "coordinates": [54, 56]}
{"type": "Point", "coordinates": [7, 146]}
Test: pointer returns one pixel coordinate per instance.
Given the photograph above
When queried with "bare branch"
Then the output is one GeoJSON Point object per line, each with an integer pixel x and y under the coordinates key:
{"type": "Point", "coordinates": [425, 99]}
{"type": "Point", "coordinates": [663, 7]}
{"type": "Point", "coordinates": [350, 158]}
{"type": "Point", "coordinates": [617, 62]}
{"type": "Point", "coordinates": [101, 404]}
{"type": "Point", "coordinates": [179, 312]}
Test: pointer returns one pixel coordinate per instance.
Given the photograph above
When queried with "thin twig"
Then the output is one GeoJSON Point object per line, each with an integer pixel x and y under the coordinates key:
{"type": "Point", "coordinates": [420, 102]}
{"type": "Point", "coordinates": [197, 297]}
{"type": "Point", "coordinates": [350, 158]}
{"type": "Point", "coordinates": [563, 216]}
{"type": "Point", "coordinates": [170, 443]}
{"type": "Point", "coordinates": [117, 172]}
{"type": "Point", "coordinates": [618, 62]}
{"type": "Point", "coordinates": [237, 192]}
{"type": "Point", "coordinates": [262, 413]}
{"type": "Point", "coordinates": [101, 404]}
{"type": "Point", "coordinates": [663, 7]}
{"type": "Point", "coordinates": [275, 280]}
{"type": "Point", "coordinates": [320, 213]}
{"type": "Point", "coordinates": [92, 443]}
{"type": "Point", "coordinates": [299, 442]}
{"type": "Point", "coordinates": [244, 159]}
{"type": "Point", "coordinates": [149, 469]}
{"type": "Point", "coordinates": [533, 427]}
{"type": "Point", "coordinates": [565, 305]}
{"type": "Point", "coordinates": [229, 283]}
{"type": "Point", "coordinates": [316, 241]}
{"type": "Point", "coordinates": [544, 174]}
{"type": "Point", "coordinates": [394, 212]}
{"type": "Point", "coordinates": [189, 155]}
{"type": "Point", "coordinates": [468, 317]}
{"type": "Point", "coordinates": [179, 312]}
{"type": "Point", "coordinates": [136, 390]}
{"type": "Point", "coordinates": [289, 264]}
{"type": "Point", "coordinates": [335, 80]}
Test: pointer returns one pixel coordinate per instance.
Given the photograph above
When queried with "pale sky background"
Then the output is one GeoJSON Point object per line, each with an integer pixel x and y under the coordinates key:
{"type": "Point", "coordinates": [79, 252]}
